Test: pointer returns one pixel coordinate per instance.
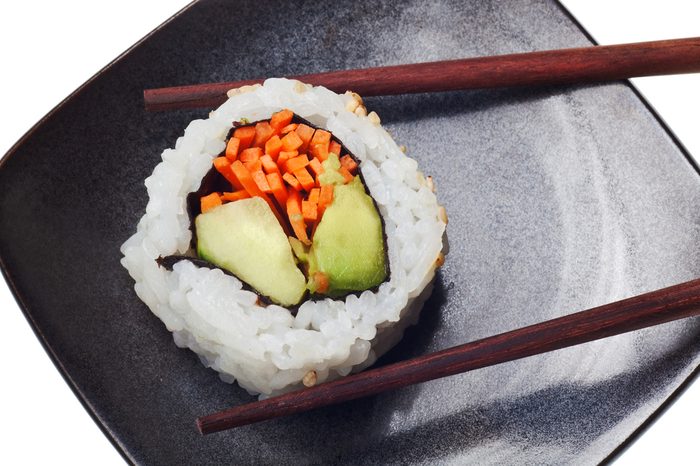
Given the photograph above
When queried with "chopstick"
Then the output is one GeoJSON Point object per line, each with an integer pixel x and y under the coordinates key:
{"type": "Point", "coordinates": [657, 307]}
{"type": "Point", "coordinates": [564, 66]}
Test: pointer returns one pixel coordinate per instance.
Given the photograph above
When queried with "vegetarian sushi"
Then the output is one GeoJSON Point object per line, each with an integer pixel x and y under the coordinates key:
{"type": "Point", "coordinates": [287, 239]}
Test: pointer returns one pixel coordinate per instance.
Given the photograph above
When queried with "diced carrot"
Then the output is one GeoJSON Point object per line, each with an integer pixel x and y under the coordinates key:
{"type": "Point", "coordinates": [281, 119]}
{"type": "Point", "coordinates": [273, 146]}
{"type": "Point", "coordinates": [295, 163]}
{"type": "Point", "coordinates": [292, 181]}
{"type": "Point", "coordinates": [245, 178]}
{"type": "Point", "coordinates": [307, 182]}
{"type": "Point", "coordinates": [291, 141]}
{"type": "Point", "coordinates": [210, 201]}
{"type": "Point", "coordinates": [269, 165]}
{"type": "Point", "coordinates": [293, 202]}
{"type": "Point", "coordinates": [245, 134]}
{"type": "Point", "coordinates": [261, 181]}
{"type": "Point", "coordinates": [321, 281]}
{"type": "Point", "coordinates": [220, 163]}
{"type": "Point", "coordinates": [232, 149]}
{"type": "Point", "coordinates": [235, 196]}
{"type": "Point", "coordinates": [346, 174]}
{"type": "Point", "coordinates": [223, 166]}
{"type": "Point", "coordinates": [263, 132]}
{"type": "Point", "coordinates": [296, 219]}
{"type": "Point", "coordinates": [334, 148]}
{"type": "Point", "coordinates": [305, 133]}
{"type": "Point", "coordinates": [349, 163]}
{"type": "Point", "coordinates": [321, 137]}
{"type": "Point", "coordinates": [253, 165]}
{"type": "Point", "coordinates": [315, 166]}
{"type": "Point", "coordinates": [279, 190]}
{"type": "Point", "coordinates": [314, 195]}
{"type": "Point", "coordinates": [288, 128]}
{"type": "Point", "coordinates": [325, 197]}
{"type": "Point", "coordinates": [284, 156]}
{"type": "Point", "coordinates": [250, 154]}
{"type": "Point", "coordinates": [320, 151]}
{"type": "Point", "coordinates": [309, 211]}
{"type": "Point", "coordinates": [299, 227]}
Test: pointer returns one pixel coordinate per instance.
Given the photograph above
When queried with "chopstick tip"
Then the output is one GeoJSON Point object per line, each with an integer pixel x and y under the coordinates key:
{"type": "Point", "coordinates": [200, 426]}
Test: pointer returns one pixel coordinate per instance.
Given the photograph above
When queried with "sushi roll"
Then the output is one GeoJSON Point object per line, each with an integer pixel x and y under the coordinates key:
{"type": "Point", "coordinates": [287, 239]}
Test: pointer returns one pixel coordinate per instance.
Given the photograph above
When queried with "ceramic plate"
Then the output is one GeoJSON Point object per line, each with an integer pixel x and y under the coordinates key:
{"type": "Point", "coordinates": [559, 199]}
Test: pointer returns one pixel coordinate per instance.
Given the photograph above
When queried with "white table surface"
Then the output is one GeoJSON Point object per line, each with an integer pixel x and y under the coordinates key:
{"type": "Point", "coordinates": [53, 47]}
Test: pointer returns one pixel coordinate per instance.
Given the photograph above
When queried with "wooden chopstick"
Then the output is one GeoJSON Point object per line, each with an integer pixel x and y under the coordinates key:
{"type": "Point", "coordinates": [656, 307]}
{"type": "Point", "coordinates": [565, 66]}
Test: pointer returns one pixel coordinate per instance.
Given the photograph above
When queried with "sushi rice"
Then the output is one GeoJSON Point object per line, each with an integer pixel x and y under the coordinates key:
{"type": "Point", "coordinates": [267, 349]}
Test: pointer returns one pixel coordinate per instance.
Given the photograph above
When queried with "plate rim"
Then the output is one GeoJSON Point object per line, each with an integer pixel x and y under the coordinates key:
{"type": "Point", "coordinates": [38, 333]}
{"type": "Point", "coordinates": [695, 374]}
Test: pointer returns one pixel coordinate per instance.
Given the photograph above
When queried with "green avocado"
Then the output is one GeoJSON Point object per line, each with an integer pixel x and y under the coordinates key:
{"type": "Point", "coordinates": [330, 174]}
{"type": "Point", "coordinates": [348, 246]}
{"type": "Point", "coordinates": [245, 238]}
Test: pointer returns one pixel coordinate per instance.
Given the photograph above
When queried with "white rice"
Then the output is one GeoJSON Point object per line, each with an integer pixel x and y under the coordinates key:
{"type": "Point", "coordinates": [267, 349]}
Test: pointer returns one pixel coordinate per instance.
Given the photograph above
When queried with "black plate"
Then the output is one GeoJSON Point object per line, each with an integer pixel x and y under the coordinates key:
{"type": "Point", "coordinates": [559, 199]}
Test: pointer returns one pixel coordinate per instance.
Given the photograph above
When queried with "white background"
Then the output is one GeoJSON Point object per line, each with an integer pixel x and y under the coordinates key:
{"type": "Point", "coordinates": [49, 48]}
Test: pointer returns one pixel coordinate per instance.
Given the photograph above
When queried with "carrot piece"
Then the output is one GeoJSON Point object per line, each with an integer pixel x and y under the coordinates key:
{"type": "Point", "coordinates": [307, 182]}
{"type": "Point", "coordinates": [269, 165]}
{"type": "Point", "coordinates": [245, 134]}
{"type": "Point", "coordinates": [314, 195]}
{"type": "Point", "coordinates": [325, 197]}
{"type": "Point", "coordinates": [321, 281]}
{"type": "Point", "coordinates": [315, 166]}
{"type": "Point", "coordinates": [281, 119]}
{"type": "Point", "coordinates": [244, 176]}
{"type": "Point", "coordinates": [288, 128]}
{"type": "Point", "coordinates": [299, 227]}
{"type": "Point", "coordinates": [250, 154]}
{"type": "Point", "coordinates": [263, 132]}
{"type": "Point", "coordinates": [292, 181]}
{"type": "Point", "coordinates": [293, 202]}
{"type": "Point", "coordinates": [253, 165]}
{"type": "Point", "coordinates": [220, 163]}
{"type": "Point", "coordinates": [223, 166]}
{"type": "Point", "coordinates": [291, 141]}
{"type": "Point", "coordinates": [296, 219]}
{"type": "Point", "coordinates": [261, 181]}
{"type": "Point", "coordinates": [321, 137]}
{"type": "Point", "coordinates": [209, 201]}
{"type": "Point", "coordinates": [346, 174]}
{"type": "Point", "coordinates": [235, 196]}
{"type": "Point", "coordinates": [309, 210]}
{"type": "Point", "coordinates": [320, 151]}
{"type": "Point", "coordinates": [349, 163]}
{"type": "Point", "coordinates": [334, 148]}
{"type": "Point", "coordinates": [232, 149]}
{"type": "Point", "coordinates": [246, 179]}
{"type": "Point", "coordinates": [305, 133]}
{"type": "Point", "coordinates": [279, 190]}
{"type": "Point", "coordinates": [273, 146]}
{"type": "Point", "coordinates": [284, 156]}
{"type": "Point", "coordinates": [295, 163]}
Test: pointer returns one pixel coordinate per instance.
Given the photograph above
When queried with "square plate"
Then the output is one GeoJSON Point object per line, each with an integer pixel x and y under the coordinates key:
{"type": "Point", "coordinates": [559, 199]}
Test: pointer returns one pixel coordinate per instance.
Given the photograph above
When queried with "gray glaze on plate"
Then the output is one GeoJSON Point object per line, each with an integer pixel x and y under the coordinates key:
{"type": "Point", "coordinates": [559, 199]}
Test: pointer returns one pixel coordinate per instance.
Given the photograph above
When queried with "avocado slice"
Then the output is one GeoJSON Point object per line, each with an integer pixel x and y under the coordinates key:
{"type": "Point", "coordinates": [348, 246]}
{"type": "Point", "coordinates": [245, 238]}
